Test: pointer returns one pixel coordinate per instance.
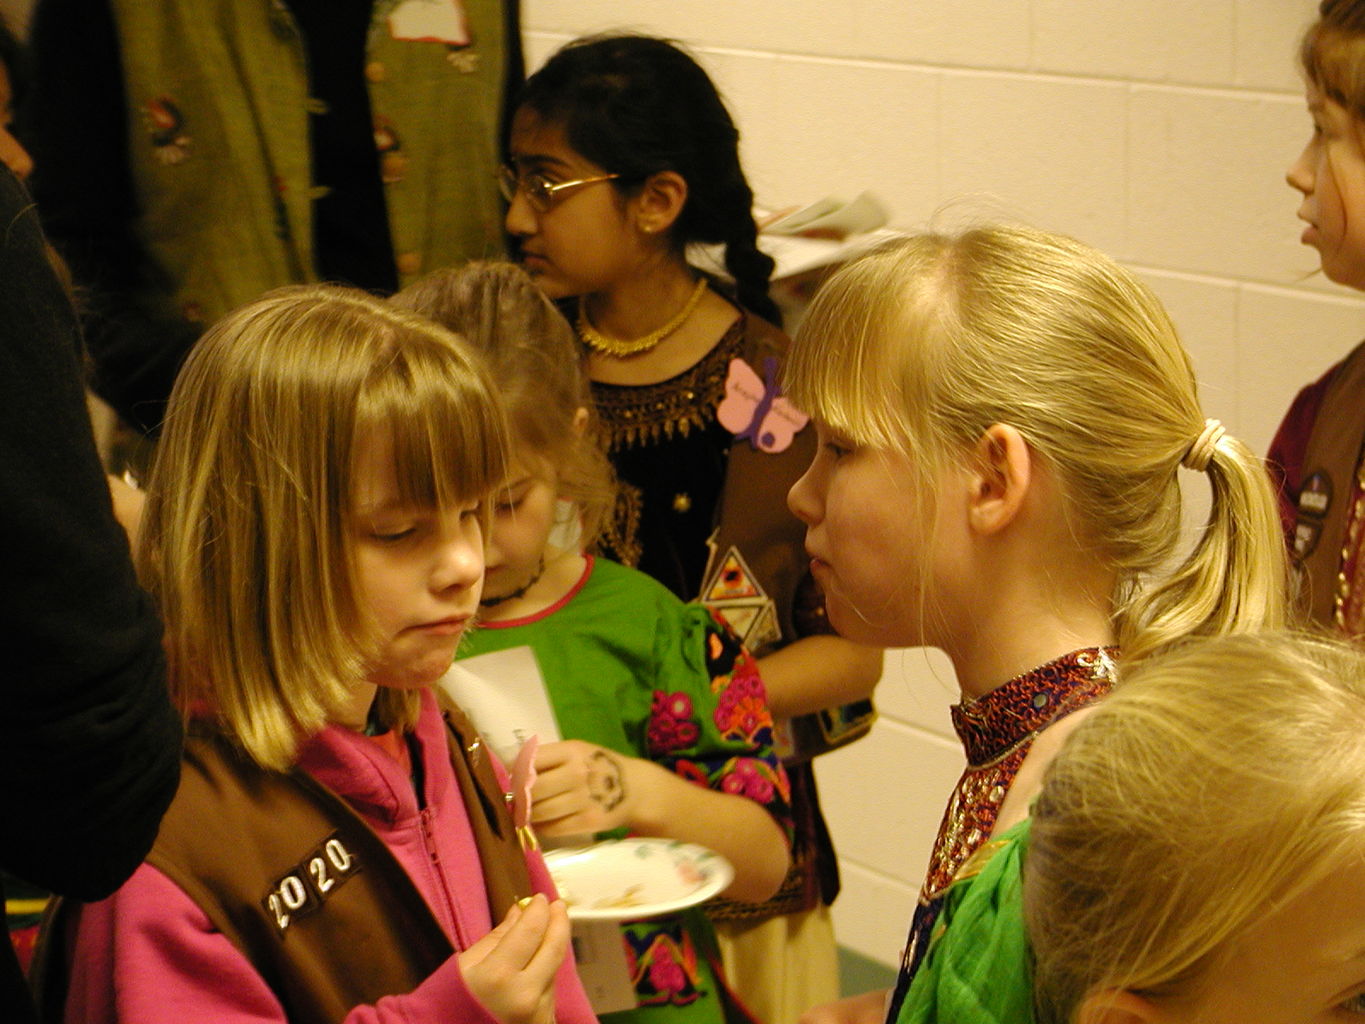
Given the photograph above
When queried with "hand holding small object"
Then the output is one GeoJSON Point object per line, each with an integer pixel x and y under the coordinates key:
{"type": "Point", "coordinates": [511, 970]}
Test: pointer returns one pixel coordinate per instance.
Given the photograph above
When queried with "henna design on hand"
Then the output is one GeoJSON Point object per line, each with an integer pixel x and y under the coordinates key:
{"type": "Point", "coordinates": [606, 784]}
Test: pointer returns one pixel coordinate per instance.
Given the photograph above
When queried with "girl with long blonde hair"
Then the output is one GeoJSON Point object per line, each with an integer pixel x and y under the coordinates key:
{"type": "Point", "coordinates": [1197, 852]}
{"type": "Point", "coordinates": [1002, 417]}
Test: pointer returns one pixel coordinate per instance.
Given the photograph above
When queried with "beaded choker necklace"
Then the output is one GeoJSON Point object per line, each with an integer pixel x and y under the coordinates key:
{"type": "Point", "coordinates": [616, 347]}
{"type": "Point", "coordinates": [489, 602]}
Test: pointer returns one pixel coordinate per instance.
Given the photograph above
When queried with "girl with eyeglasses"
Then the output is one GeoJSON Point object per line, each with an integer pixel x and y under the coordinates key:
{"type": "Point", "coordinates": [622, 155]}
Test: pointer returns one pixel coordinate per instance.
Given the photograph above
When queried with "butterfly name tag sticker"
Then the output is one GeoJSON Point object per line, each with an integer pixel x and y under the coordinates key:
{"type": "Point", "coordinates": [523, 781]}
{"type": "Point", "coordinates": [430, 21]}
{"type": "Point", "coordinates": [754, 410]}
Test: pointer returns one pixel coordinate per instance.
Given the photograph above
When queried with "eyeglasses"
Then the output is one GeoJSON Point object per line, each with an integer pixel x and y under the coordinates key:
{"type": "Point", "coordinates": [539, 190]}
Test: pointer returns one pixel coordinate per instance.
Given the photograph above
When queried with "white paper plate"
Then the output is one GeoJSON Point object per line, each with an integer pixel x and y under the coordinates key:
{"type": "Point", "coordinates": [622, 879]}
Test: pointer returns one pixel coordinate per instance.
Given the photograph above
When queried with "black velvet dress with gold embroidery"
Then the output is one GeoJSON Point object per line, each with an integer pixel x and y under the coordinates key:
{"type": "Point", "coordinates": [670, 455]}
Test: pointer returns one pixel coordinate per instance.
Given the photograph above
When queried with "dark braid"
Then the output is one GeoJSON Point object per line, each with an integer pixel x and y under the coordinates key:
{"type": "Point", "coordinates": [751, 267]}
{"type": "Point", "coordinates": [637, 105]}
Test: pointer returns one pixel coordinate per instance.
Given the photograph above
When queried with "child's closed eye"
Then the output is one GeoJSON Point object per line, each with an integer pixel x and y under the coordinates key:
{"type": "Point", "coordinates": [1354, 1004]}
{"type": "Point", "coordinates": [511, 500]}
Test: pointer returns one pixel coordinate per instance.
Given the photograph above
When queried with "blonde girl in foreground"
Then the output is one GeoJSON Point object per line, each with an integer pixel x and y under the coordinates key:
{"type": "Point", "coordinates": [667, 732]}
{"type": "Point", "coordinates": [1196, 855]}
{"type": "Point", "coordinates": [1198, 850]}
{"type": "Point", "coordinates": [1002, 416]}
{"type": "Point", "coordinates": [339, 847]}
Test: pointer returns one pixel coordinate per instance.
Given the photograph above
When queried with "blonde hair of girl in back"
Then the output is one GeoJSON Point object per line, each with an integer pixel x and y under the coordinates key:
{"type": "Point", "coordinates": [922, 345]}
{"type": "Point", "coordinates": [537, 363]}
{"type": "Point", "coordinates": [1225, 779]}
{"type": "Point", "coordinates": [246, 543]}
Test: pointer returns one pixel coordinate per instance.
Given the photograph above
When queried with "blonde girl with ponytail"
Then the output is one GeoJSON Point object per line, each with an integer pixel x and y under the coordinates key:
{"type": "Point", "coordinates": [1003, 415]}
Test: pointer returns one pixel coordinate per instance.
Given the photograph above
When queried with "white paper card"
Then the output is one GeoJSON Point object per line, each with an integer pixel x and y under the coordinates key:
{"type": "Point", "coordinates": [503, 693]}
{"type": "Point", "coordinates": [600, 952]}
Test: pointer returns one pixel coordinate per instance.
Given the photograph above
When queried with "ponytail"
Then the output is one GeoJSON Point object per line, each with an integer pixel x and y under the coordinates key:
{"type": "Point", "coordinates": [1236, 580]}
{"type": "Point", "coordinates": [927, 341]}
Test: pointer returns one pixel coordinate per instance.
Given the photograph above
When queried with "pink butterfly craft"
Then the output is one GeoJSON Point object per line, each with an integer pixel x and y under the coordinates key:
{"type": "Point", "coordinates": [754, 410]}
{"type": "Point", "coordinates": [523, 778]}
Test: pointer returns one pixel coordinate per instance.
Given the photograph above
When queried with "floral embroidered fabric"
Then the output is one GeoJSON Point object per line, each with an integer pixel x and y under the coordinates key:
{"type": "Point", "coordinates": [630, 668]}
{"type": "Point", "coordinates": [631, 415]}
{"type": "Point", "coordinates": [997, 731]}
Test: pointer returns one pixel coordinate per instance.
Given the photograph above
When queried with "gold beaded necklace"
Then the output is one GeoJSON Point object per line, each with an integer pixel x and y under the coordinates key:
{"type": "Point", "coordinates": [595, 339]}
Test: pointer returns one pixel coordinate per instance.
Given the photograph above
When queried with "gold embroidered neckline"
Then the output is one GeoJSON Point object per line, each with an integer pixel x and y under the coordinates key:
{"type": "Point", "coordinates": [631, 414]}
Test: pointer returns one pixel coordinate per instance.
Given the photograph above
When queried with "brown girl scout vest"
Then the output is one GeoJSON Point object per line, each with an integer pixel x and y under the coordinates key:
{"type": "Point", "coordinates": [298, 882]}
{"type": "Point", "coordinates": [1331, 463]}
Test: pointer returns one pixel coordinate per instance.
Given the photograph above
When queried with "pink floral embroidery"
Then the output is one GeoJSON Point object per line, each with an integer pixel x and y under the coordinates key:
{"type": "Point", "coordinates": [749, 777]}
{"type": "Point", "coordinates": [665, 974]}
{"type": "Point", "coordinates": [663, 964]}
{"type": "Point", "coordinates": [671, 726]}
{"type": "Point", "coordinates": [742, 710]}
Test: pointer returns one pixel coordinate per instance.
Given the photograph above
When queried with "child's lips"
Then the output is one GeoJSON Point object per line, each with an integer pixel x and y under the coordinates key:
{"type": "Point", "coordinates": [444, 627]}
{"type": "Point", "coordinates": [1310, 229]}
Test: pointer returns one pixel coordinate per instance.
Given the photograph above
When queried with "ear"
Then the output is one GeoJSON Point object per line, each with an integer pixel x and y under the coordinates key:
{"type": "Point", "coordinates": [659, 203]}
{"type": "Point", "coordinates": [580, 420]}
{"type": "Point", "coordinates": [1116, 1006]}
{"type": "Point", "coordinates": [1002, 470]}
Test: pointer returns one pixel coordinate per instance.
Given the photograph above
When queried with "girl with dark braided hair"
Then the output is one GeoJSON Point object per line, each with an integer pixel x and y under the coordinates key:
{"type": "Point", "coordinates": [622, 159]}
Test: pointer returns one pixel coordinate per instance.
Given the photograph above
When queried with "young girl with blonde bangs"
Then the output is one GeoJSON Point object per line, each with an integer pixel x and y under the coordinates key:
{"type": "Point", "coordinates": [340, 846]}
{"type": "Point", "coordinates": [666, 728]}
{"type": "Point", "coordinates": [622, 160]}
{"type": "Point", "coordinates": [1002, 415]}
{"type": "Point", "coordinates": [1318, 454]}
{"type": "Point", "coordinates": [1197, 852]}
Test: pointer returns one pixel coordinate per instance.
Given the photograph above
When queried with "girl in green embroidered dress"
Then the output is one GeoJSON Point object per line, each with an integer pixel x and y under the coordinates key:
{"type": "Point", "coordinates": [687, 753]}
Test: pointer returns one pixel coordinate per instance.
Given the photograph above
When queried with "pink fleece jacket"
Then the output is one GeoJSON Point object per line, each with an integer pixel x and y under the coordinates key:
{"type": "Point", "coordinates": [149, 955]}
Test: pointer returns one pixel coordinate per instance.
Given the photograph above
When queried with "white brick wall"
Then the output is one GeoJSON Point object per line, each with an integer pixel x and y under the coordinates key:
{"type": "Point", "coordinates": [1158, 130]}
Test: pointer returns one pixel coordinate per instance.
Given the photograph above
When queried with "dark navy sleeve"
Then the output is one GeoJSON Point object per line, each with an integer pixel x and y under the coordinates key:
{"type": "Point", "coordinates": [91, 751]}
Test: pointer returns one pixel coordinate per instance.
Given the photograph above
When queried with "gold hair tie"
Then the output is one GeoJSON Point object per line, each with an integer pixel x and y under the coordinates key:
{"type": "Point", "coordinates": [615, 347]}
{"type": "Point", "coordinates": [1201, 451]}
